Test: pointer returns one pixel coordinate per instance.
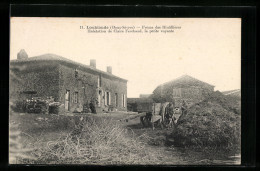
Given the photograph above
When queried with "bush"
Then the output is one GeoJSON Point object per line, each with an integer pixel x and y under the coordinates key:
{"type": "Point", "coordinates": [18, 106]}
{"type": "Point", "coordinates": [208, 123]}
{"type": "Point", "coordinates": [54, 108]}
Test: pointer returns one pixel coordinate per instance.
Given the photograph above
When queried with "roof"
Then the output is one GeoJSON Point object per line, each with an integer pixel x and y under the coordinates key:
{"type": "Point", "coordinates": [144, 95]}
{"type": "Point", "coordinates": [54, 57]}
{"type": "Point", "coordinates": [139, 100]}
{"type": "Point", "coordinates": [185, 78]}
{"type": "Point", "coordinates": [231, 92]}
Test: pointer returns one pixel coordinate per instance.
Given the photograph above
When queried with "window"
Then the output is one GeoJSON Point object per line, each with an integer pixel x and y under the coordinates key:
{"type": "Point", "coordinates": [76, 73]}
{"type": "Point", "coordinates": [67, 100]}
{"type": "Point", "coordinates": [75, 97]}
{"type": "Point", "coordinates": [99, 97]}
{"type": "Point", "coordinates": [176, 92]}
{"type": "Point", "coordinates": [116, 100]}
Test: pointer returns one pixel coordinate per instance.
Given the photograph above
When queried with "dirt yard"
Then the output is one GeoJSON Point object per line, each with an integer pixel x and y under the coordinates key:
{"type": "Point", "coordinates": [37, 130]}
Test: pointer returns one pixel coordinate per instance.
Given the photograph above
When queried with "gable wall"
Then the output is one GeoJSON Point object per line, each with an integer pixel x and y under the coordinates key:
{"type": "Point", "coordinates": [43, 79]}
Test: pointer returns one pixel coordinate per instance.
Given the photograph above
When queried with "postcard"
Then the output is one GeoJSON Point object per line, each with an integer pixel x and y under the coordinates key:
{"type": "Point", "coordinates": [125, 91]}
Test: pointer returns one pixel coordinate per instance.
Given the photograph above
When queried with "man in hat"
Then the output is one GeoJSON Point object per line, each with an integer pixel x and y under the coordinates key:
{"type": "Point", "coordinates": [169, 113]}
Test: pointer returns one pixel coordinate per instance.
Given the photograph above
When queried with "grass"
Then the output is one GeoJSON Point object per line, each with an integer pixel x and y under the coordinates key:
{"type": "Point", "coordinates": [98, 140]}
{"type": "Point", "coordinates": [94, 140]}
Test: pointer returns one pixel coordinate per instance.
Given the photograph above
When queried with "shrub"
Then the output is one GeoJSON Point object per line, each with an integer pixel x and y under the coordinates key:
{"type": "Point", "coordinates": [18, 106]}
{"type": "Point", "coordinates": [54, 108]}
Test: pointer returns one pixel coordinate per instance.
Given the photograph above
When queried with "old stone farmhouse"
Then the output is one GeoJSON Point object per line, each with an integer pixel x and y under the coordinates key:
{"type": "Point", "coordinates": [185, 88]}
{"type": "Point", "coordinates": [70, 83]}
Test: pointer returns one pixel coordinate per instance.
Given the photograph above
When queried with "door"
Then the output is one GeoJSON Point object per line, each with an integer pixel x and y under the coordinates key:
{"type": "Point", "coordinates": [67, 100]}
{"type": "Point", "coordinates": [99, 97]}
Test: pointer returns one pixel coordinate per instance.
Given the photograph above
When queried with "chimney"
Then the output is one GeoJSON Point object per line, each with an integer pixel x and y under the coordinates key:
{"type": "Point", "coordinates": [109, 69]}
{"type": "Point", "coordinates": [22, 55]}
{"type": "Point", "coordinates": [93, 63]}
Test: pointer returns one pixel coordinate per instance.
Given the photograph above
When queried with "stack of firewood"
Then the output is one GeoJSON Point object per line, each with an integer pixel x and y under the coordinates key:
{"type": "Point", "coordinates": [37, 105]}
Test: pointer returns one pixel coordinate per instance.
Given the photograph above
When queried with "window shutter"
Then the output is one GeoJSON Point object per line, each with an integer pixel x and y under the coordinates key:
{"type": "Point", "coordinates": [109, 98]}
{"type": "Point", "coordinates": [122, 100]}
{"type": "Point", "coordinates": [105, 98]}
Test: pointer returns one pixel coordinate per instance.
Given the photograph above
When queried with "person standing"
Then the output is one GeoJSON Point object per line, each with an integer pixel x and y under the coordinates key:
{"type": "Point", "coordinates": [92, 107]}
{"type": "Point", "coordinates": [184, 107]}
{"type": "Point", "coordinates": [169, 111]}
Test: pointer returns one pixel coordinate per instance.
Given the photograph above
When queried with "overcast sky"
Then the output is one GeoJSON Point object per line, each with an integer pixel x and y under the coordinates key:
{"type": "Point", "coordinates": [207, 49]}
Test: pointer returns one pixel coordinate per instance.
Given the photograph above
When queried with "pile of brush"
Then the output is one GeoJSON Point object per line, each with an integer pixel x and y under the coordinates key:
{"type": "Point", "coordinates": [210, 123]}
{"type": "Point", "coordinates": [93, 141]}
{"type": "Point", "coordinates": [228, 102]}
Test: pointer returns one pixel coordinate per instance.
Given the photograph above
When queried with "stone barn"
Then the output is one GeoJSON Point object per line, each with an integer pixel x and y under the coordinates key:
{"type": "Point", "coordinates": [185, 88]}
{"type": "Point", "coordinates": [72, 84]}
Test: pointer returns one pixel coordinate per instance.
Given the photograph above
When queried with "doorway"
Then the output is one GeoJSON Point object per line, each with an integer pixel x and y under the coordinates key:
{"type": "Point", "coordinates": [67, 100]}
{"type": "Point", "coordinates": [99, 98]}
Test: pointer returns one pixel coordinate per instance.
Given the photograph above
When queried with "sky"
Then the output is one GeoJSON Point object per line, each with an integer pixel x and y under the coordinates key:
{"type": "Point", "coordinates": [205, 48]}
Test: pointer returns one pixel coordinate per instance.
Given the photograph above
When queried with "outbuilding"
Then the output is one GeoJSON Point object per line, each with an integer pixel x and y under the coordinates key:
{"type": "Point", "coordinates": [185, 88]}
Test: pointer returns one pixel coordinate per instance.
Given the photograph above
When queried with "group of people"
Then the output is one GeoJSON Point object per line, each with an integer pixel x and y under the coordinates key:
{"type": "Point", "coordinates": [169, 110]}
{"type": "Point", "coordinates": [166, 115]}
{"type": "Point", "coordinates": [89, 107]}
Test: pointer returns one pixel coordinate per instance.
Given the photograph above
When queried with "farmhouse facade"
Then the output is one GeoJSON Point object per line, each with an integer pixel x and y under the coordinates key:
{"type": "Point", "coordinates": [72, 84]}
{"type": "Point", "coordinates": [185, 88]}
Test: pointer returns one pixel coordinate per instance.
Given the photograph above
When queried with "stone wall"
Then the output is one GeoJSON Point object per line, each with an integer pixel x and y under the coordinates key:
{"type": "Point", "coordinates": [43, 79]}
